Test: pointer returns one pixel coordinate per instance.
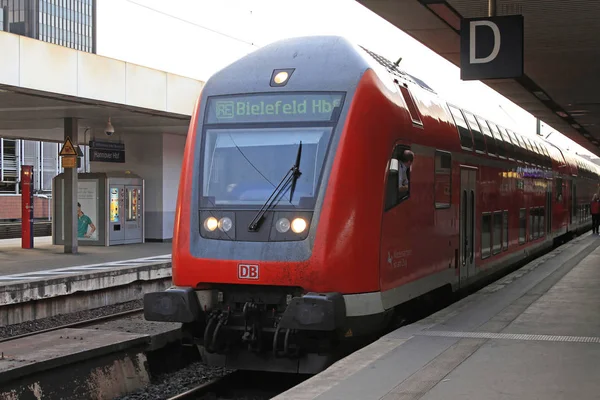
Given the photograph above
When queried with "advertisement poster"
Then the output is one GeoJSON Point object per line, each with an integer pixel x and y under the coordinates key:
{"type": "Point", "coordinates": [87, 210]}
{"type": "Point", "coordinates": [114, 205]}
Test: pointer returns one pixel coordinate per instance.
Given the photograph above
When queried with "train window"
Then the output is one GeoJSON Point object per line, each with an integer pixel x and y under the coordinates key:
{"type": "Point", "coordinates": [478, 138]}
{"type": "Point", "coordinates": [489, 138]}
{"type": "Point", "coordinates": [542, 220]}
{"type": "Point", "coordinates": [505, 230]}
{"type": "Point", "coordinates": [533, 223]}
{"type": "Point", "coordinates": [559, 190]}
{"type": "Point", "coordinates": [497, 221]}
{"type": "Point", "coordinates": [412, 107]}
{"type": "Point", "coordinates": [500, 140]}
{"type": "Point", "coordinates": [486, 235]}
{"type": "Point", "coordinates": [510, 145]}
{"type": "Point", "coordinates": [522, 225]}
{"type": "Point", "coordinates": [518, 146]}
{"type": "Point", "coordinates": [394, 195]}
{"type": "Point", "coordinates": [442, 182]}
{"type": "Point", "coordinates": [466, 139]}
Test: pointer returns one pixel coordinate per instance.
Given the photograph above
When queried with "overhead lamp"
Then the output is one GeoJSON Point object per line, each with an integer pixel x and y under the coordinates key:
{"type": "Point", "coordinates": [444, 11]}
{"type": "Point", "coordinates": [562, 114]}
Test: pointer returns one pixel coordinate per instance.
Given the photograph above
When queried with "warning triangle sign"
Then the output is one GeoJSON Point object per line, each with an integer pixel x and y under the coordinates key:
{"type": "Point", "coordinates": [68, 149]}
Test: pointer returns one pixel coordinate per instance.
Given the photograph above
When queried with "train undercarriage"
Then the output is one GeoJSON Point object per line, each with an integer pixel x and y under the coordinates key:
{"type": "Point", "coordinates": [262, 327]}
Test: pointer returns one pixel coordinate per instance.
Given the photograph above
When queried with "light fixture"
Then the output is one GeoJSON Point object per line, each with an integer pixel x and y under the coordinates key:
{"type": "Point", "coordinates": [444, 11]}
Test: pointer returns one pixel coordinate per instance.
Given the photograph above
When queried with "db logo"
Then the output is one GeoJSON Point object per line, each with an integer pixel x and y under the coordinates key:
{"type": "Point", "coordinates": [247, 271]}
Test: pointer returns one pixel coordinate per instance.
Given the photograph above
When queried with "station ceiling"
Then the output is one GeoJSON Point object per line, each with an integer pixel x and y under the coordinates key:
{"type": "Point", "coordinates": [22, 110]}
{"type": "Point", "coordinates": [562, 54]}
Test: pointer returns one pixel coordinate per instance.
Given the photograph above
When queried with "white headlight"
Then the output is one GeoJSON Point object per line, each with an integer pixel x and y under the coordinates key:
{"type": "Point", "coordinates": [298, 225]}
{"type": "Point", "coordinates": [210, 223]}
{"type": "Point", "coordinates": [282, 225]}
{"type": "Point", "coordinates": [225, 224]}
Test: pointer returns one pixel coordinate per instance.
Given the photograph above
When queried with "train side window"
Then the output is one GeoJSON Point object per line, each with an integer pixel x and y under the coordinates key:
{"type": "Point", "coordinates": [489, 137]}
{"type": "Point", "coordinates": [505, 230]}
{"type": "Point", "coordinates": [442, 181]}
{"type": "Point", "coordinates": [534, 221]}
{"type": "Point", "coordinates": [412, 107]}
{"type": "Point", "coordinates": [497, 222]}
{"type": "Point", "coordinates": [393, 195]}
{"type": "Point", "coordinates": [501, 141]}
{"type": "Point", "coordinates": [478, 138]}
{"type": "Point", "coordinates": [542, 216]}
{"type": "Point", "coordinates": [486, 235]}
{"type": "Point", "coordinates": [466, 139]}
{"type": "Point", "coordinates": [522, 225]}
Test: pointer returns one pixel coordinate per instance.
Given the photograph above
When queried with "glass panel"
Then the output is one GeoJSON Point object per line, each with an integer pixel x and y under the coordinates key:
{"type": "Point", "coordinates": [243, 166]}
{"type": "Point", "coordinates": [486, 235]}
{"type": "Point", "coordinates": [497, 221]}
{"type": "Point", "coordinates": [505, 230]}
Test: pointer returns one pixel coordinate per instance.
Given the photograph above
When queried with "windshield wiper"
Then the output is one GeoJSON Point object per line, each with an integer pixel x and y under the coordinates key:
{"type": "Point", "coordinates": [291, 176]}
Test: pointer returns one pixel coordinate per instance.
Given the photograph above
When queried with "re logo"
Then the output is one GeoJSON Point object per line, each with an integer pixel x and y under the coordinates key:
{"type": "Point", "coordinates": [247, 271]}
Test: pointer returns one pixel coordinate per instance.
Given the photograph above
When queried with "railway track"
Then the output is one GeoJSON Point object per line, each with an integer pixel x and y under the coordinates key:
{"type": "Point", "coordinates": [242, 385]}
{"type": "Point", "coordinates": [77, 324]}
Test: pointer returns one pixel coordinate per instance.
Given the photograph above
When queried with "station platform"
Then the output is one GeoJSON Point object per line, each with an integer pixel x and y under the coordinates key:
{"type": "Point", "coordinates": [534, 334]}
{"type": "Point", "coordinates": [48, 260]}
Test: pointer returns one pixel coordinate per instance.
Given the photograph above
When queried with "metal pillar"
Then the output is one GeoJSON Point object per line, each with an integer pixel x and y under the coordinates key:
{"type": "Point", "coordinates": [70, 199]}
{"type": "Point", "coordinates": [491, 8]}
{"type": "Point", "coordinates": [538, 127]}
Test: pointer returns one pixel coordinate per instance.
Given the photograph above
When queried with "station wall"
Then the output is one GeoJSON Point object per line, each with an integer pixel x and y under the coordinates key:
{"type": "Point", "coordinates": [157, 159]}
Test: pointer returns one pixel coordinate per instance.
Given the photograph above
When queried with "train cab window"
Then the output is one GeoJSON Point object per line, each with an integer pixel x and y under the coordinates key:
{"type": "Point", "coordinates": [398, 174]}
{"type": "Point", "coordinates": [501, 141]}
{"type": "Point", "coordinates": [486, 235]}
{"type": "Point", "coordinates": [522, 225]}
{"type": "Point", "coordinates": [466, 139]}
{"type": "Point", "coordinates": [497, 223]}
{"type": "Point", "coordinates": [505, 230]}
{"type": "Point", "coordinates": [442, 181]}
{"type": "Point", "coordinates": [478, 138]}
{"type": "Point", "coordinates": [490, 141]}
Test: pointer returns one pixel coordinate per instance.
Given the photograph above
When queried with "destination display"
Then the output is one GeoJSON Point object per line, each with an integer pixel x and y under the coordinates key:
{"type": "Point", "coordinates": [280, 107]}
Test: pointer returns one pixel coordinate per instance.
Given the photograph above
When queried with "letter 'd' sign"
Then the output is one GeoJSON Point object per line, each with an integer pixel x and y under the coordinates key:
{"type": "Point", "coordinates": [491, 47]}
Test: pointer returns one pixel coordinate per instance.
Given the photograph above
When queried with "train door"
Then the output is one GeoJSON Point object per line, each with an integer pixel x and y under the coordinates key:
{"type": "Point", "coordinates": [549, 208]}
{"type": "Point", "coordinates": [573, 202]}
{"type": "Point", "coordinates": [468, 195]}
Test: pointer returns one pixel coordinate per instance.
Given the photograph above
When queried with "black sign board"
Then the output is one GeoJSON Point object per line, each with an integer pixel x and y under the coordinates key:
{"type": "Point", "coordinates": [277, 107]}
{"type": "Point", "coordinates": [491, 47]}
{"type": "Point", "coordinates": [107, 152]}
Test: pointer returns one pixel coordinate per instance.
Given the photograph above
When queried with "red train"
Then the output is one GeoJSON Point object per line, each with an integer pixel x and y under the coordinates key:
{"type": "Point", "coordinates": [292, 237]}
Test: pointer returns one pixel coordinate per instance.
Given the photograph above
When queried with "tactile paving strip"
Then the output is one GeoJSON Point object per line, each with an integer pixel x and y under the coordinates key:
{"type": "Point", "coordinates": [511, 336]}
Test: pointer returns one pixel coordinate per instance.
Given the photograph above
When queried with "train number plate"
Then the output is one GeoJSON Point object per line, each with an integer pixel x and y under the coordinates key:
{"type": "Point", "coordinates": [248, 271]}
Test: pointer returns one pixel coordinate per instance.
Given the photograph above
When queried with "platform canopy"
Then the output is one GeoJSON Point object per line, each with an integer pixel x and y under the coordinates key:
{"type": "Point", "coordinates": [561, 54]}
{"type": "Point", "coordinates": [41, 84]}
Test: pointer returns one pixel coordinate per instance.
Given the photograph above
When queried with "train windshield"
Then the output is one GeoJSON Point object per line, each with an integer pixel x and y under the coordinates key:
{"type": "Point", "coordinates": [246, 153]}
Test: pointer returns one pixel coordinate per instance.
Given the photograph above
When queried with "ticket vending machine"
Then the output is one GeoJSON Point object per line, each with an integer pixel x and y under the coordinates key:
{"type": "Point", "coordinates": [110, 209]}
{"type": "Point", "coordinates": [125, 223]}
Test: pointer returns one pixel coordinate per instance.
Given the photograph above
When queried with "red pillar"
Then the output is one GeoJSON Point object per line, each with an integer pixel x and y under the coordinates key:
{"type": "Point", "coordinates": [27, 206]}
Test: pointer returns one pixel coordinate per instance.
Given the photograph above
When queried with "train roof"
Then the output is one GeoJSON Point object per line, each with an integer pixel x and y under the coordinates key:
{"type": "Point", "coordinates": [310, 56]}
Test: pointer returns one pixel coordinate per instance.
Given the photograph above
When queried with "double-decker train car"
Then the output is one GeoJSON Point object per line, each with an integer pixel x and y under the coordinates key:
{"type": "Point", "coordinates": [292, 236]}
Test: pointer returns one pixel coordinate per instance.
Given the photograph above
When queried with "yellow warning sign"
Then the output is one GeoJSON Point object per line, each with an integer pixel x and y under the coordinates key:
{"type": "Point", "coordinates": [68, 162]}
{"type": "Point", "coordinates": [68, 149]}
{"type": "Point", "coordinates": [349, 333]}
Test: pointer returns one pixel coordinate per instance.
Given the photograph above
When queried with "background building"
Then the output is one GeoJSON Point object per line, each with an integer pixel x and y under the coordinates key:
{"type": "Point", "coordinates": [69, 23]}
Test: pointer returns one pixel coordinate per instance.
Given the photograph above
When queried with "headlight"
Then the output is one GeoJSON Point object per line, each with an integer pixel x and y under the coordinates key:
{"type": "Point", "coordinates": [298, 225]}
{"type": "Point", "coordinates": [225, 224]}
{"type": "Point", "coordinates": [282, 225]}
{"type": "Point", "coordinates": [210, 224]}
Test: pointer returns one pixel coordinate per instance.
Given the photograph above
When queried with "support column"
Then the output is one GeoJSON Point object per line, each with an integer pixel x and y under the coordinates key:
{"type": "Point", "coordinates": [70, 199]}
{"type": "Point", "coordinates": [491, 8]}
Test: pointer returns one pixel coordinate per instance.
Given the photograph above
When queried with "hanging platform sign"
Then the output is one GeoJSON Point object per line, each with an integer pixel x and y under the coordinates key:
{"type": "Point", "coordinates": [107, 151]}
